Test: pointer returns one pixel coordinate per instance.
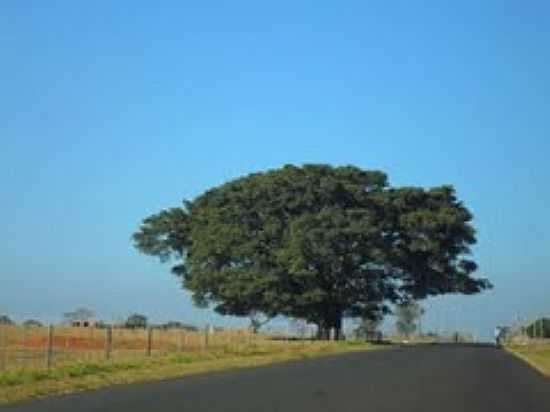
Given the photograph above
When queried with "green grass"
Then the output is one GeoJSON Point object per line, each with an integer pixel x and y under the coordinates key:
{"type": "Point", "coordinates": [537, 355]}
{"type": "Point", "coordinates": [26, 383]}
{"type": "Point", "coordinates": [26, 376]}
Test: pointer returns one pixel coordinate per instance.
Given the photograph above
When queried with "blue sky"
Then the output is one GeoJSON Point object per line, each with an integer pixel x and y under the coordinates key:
{"type": "Point", "coordinates": [110, 111]}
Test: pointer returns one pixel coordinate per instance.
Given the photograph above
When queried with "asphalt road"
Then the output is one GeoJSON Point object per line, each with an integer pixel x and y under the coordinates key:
{"type": "Point", "coordinates": [423, 379]}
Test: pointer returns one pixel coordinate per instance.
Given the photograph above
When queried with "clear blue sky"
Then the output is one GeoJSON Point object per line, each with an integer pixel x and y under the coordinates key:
{"type": "Point", "coordinates": [110, 111]}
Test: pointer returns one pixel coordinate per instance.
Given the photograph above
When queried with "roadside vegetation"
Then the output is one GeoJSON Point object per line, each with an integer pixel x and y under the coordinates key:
{"type": "Point", "coordinates": [26, 383]}
{"type": "Point", "coordinates": [536, 354]}
{"type": "Point", "coordinates": [314, 243]}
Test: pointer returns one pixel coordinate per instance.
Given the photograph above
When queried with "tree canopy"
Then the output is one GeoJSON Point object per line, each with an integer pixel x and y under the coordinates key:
{"type": "Point", "coordinates": [317, 243]}
{"type": "Point", "coordinates": [136, 321]}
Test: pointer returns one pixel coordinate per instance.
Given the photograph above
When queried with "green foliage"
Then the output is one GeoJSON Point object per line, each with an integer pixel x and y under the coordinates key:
{"type": "Point", "coordinates": [174, 324]}
{"type": "Point", "coordinates": [5, 320]}
{"type": "Point", "coordinates": [32, 323]}
{"type": "Point", "coordinates": [101, 325]}
{"type": "Point", "coordinates": [18, 377]}
{"type": "Point", "coordinates": [540, 328]}
{"type": "Point", "coordinates": [106, 372]}
{"type": "Point", "coordinates": [368, 328]}
{"type": "Point", "coordinates": [136, 321]}
{"type": "Point", "coordinates": [429, 233]}
{"type": "Point", "coordinates": [184, 358]}
{"type": "Point", "coordinates": [316, 243]}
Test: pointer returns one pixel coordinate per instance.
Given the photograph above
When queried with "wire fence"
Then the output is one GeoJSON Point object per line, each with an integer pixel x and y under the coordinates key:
{"type": "Point", "coordinates": [54, 346]}
{"type": "Point", "coordinates": [533, 330]}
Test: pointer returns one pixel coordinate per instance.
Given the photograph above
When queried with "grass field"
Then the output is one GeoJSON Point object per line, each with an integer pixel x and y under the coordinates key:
{"type": "Point", "coordinates": [19, 384]}
{"type": "Point", "coordinates": [536, 354]}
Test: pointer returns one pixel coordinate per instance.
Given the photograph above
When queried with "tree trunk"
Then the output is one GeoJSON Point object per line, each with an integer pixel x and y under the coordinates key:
{"type": "Point", "coordinates": [338, 335]}
{"type": "Point", "coordinates": [332, 322]}
{"type": "Point", "coordinates": [323, 332]}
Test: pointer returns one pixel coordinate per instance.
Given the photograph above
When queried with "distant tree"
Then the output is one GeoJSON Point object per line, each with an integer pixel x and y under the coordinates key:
{"type": "Point", "coordinates": [101, 324]}
{"type": "Point", "coordinates": [136, 321]}
{"type": "Point", "coordinates": [190, 328]}
{"type": "Point", "coordinates": [368, 328]}
{"type": "Point", "coordinates": [407, 315]}
{"type": "Point", "coordinates": [32, 323]}
{"type": "Point", "coordinates": [316, 242]}
{"type": "Point", "coordinates": [5, 320]}
{"type": "Point", "coordinates": [505, 332]}
{"type": "Point", "coordinates": [78, 314]}
{"type": "Point", "coordinates": [174, 324]}
{"type": "Point", "coordinates": [540, 328]}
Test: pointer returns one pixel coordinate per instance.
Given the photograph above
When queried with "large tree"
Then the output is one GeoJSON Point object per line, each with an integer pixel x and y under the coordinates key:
{"type": "Point", "coordinates": [318, 243]}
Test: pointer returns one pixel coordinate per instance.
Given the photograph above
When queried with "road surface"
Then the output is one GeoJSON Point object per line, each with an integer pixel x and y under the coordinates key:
{"type": "Point", "coordinates": [439, 378]}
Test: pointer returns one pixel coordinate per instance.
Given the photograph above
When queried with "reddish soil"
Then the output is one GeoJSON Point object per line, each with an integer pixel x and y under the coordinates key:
{"type": "Point", "coordinates": [60, 342]}
{"type": "Point", "coordinates": [74, 342]}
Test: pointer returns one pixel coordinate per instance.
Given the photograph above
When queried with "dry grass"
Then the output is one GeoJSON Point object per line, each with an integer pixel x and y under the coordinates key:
{"type": "Point", "coordinates": [537, 355]}
{"type": "Point", "coordinates": [25, 383]}
{"type": "Point", "coordinates": [22, 347]}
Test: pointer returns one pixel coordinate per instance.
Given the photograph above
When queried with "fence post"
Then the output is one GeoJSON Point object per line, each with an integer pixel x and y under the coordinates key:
{"type": "Point", "coordinates": [3, 346]}
{"type": "Point", "coordinates": [180, 340]}
{"type": "Point", "coordinates": [159, 335]}
{"type": "Point", "coordinates": [206, 330]}
{"type": "Point", "coordinates": [149, 340]}
{"type": "Point", "coordinates": [108, 341]}
{"type": "Point", "coordinates": [49, 348]}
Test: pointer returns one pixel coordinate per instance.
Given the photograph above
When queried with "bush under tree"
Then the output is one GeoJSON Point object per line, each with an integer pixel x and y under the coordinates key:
{"type": "Point", "coordinates": [369, 329]}
{"type": "Point", "coordinates": [407, 315]}
{"type": "Point", "coordinates": [174, 324]}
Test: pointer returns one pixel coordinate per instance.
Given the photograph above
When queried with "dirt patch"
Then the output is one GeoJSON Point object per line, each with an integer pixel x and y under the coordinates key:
{"type": "Point", "coordinates": [70, 342]}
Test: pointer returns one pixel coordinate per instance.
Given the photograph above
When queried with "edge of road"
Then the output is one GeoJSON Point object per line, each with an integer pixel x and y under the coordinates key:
{"type": "Point", "coordinates": [525, 359]}
{"type": "Point", "coordinates": [167, 368]}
